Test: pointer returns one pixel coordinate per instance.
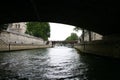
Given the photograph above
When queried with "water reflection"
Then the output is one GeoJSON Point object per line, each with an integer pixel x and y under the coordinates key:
{"type": "Point", "coordinates": [64, 63]}
{"type": "Point", "coordinates": [59, 63]}
{"type": "Point", "coordinates": [42, 64]}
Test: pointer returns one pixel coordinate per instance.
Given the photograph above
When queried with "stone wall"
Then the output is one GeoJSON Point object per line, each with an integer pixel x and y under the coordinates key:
{"type": "Point", "coordinates": [12, 47]}
{"type": "Point", "coordinates": [10, 41]}
{"type": "Point", "coordinates": [101, 47]}
{"type": "Point", "coordinates": [15, 38]}
{"type": "Point", "coordinates": [3, 46]}
{"type": "Point", "coordinates": [26, 46]}
{"type": "Point", "coordinates": [94, 36]}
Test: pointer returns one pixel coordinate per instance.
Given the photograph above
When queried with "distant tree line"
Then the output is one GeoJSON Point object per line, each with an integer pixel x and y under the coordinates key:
{"type": "Point", "coordinates": [72, 37]}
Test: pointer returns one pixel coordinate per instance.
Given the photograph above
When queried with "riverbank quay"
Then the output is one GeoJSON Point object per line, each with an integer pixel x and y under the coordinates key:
{"type": "Point", "coordinates": [106, 48]}
{"type": "Point", "coordinates": [13, 47]}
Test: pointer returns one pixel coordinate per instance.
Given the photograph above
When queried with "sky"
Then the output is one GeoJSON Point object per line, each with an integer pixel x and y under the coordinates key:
{"type": "Point", "coordinates": [60, 32]}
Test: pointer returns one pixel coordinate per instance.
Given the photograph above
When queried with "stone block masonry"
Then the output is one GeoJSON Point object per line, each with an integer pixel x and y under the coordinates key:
{"type": "Point", "coordinates": [13, 47]}
{"type": "Point", "coordinates": [3, 46]}
{"type": "Point", "coordinates": [15, 38]}
{"type": "Point", "coordinates": [10, 41]}
{"type": "Point", "coordinates": [101, 47]}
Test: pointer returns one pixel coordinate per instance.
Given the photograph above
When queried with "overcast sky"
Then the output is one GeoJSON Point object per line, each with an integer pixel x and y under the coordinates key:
{"type": "Point", "coordinates": [61, 31]}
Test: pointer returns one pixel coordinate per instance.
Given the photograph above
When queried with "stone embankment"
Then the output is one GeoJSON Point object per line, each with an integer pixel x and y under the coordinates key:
{"type": "Point", "coordinates": [101, 47]}
{"type": "Point", "coordinates": [11, 47]}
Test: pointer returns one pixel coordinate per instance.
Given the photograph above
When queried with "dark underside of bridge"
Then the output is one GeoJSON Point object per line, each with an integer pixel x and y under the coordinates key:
{"type": "Point", "coordinates": [101, 16]}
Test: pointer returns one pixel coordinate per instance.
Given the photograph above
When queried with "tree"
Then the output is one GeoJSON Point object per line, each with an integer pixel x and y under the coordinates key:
{"type": "Point", "coordinates": [77, 29]}
{"type": "Point", "coordinates": [72, 37]}
{"type": "Point", "coordinates": [3, 27]}
{"type": "Point", "coordinates": [38, 29]}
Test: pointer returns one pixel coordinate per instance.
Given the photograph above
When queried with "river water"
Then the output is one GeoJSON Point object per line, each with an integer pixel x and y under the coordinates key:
{"type": "Point", "coordinates": [58, 63]}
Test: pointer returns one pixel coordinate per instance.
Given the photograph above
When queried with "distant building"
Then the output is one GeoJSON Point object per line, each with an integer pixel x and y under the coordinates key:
{"type": "Point", "coordinates": [17, 27]}
{"type": "Point", "coordinates": [90, 36]}
{"type": "Point", "coordinates": [96, 36]}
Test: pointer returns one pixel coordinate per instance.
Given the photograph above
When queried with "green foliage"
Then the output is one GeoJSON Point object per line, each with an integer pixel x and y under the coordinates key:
{"type": "Point", "coordinates": [3, 26]}
{"type": "Point", "coordinates": [72, 37]}
{"type": "Point", "coordinates": [38, 29]}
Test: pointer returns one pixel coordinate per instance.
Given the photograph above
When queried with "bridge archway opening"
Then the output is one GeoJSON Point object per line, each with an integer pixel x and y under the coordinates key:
{"type": "Point", "coordinates": [19, 28]}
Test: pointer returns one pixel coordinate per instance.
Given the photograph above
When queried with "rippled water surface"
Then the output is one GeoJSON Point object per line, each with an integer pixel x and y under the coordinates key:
{"type": "Point", "coordinates": [59, 63]}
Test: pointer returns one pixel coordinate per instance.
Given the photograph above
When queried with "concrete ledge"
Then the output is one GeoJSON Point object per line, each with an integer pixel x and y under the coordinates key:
{"type": "Point", "coordinates": [14, 47]}
{"type": "Point", "coordinates": [101, 47]}
{"type": "Point", "coordinates": [25, 47]}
